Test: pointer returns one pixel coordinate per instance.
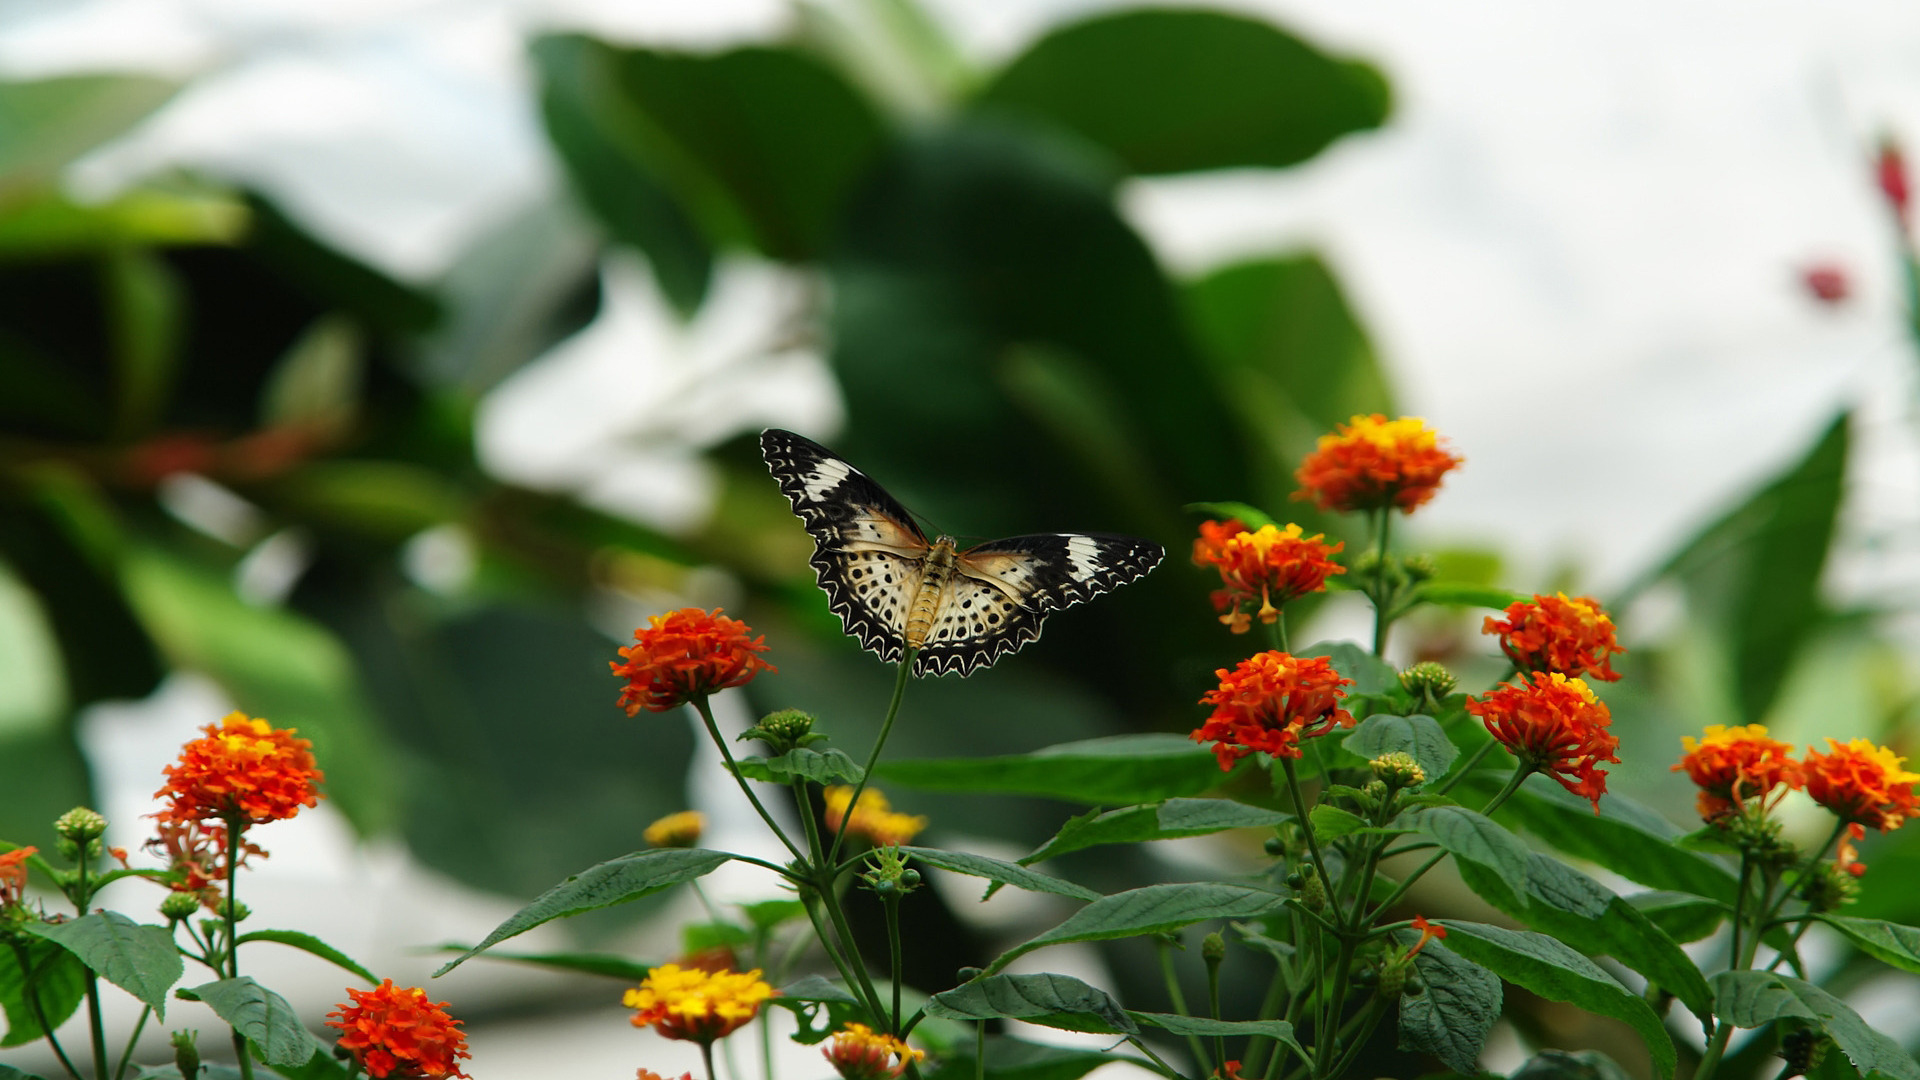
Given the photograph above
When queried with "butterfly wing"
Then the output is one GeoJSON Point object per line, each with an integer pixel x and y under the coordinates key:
{"type": "Point", "coordinates": [868, 555]}
{"type": "Point", "coordinates": [1001, 590]}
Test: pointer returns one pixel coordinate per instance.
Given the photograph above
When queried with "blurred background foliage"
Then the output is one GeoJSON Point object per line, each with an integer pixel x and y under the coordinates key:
{"type": "Point", "coordinates": [200, 395]}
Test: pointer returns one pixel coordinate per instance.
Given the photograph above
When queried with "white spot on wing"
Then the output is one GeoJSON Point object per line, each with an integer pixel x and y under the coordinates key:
{"type": "Point", "coordinates": [826, 476]}
{"type": "Point", "coordinates": [1083, 553]}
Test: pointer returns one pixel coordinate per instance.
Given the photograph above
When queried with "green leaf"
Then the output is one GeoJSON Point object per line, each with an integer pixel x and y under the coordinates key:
{"type": "Point", "coordinates": [1370, 674]}
{"type": "Point", "coordinates": [1331, 822]}
{"type": "Point", "coordinates": [618, 967]}
{"type": "Point", "coordinates": [261, 1015]}
{"type": "Point", "coordinates": [767, 914]}
{"type": "Point", "coordinates": [1420, 736]}
{"type": "Point", "coordinates": [1005, 873]}
{"type": "Point", "coordinates": [1890, 943]}
{"type": "Point", "coordinates": [1450, 1020]}
{"type": "Point", "coordinates": [8, 1072]}
{"type": "Point", "coordinates": [1013, 1059]}
{"type": "Point", "coordinates": [1680, 916]}
{"type": "Point", "coordinates": [820, 766]}
{"type": "Point", "coordinates": [1058, 1001]}
{"type": "Point", "coordinates": [1115, 769]}
{"type": "Point", "coordinates": [1207, 1026]}
{"type": "Point", "coordinates": [59, 982]}
{"type": "Point", "coordinates": [1177, 91]}
{"type": "Point", "coordinates": [384, 501]}
{"type": "Point", "coordinates": [208, 1071]}
{"type": "Point", "coordinates": [48, 123]}
{"type": "Point", "coordinates": [1624, 837]}
{"type": "Point", "coordinates": [1457, 594]}
{"type": "Point", "coordinates": [48, 225]}
{"type": "Point", "coordinates": [1169, 820]}
{"type": "Point", "coordinates": [141, 960]}
{"type": "Point", "coordinates": [615, 881]}
{"type": "Point", "coordinates": [321, 1066]}
{"type": "Point", "coordinates": [310, 944]}
{"type": "Point", "coordinates": [816, 988]}
{"type": "Point", "coordinates": [1556, 972]}
{"type": "Point", "coordinates": [1151, 910]}
{"type": "Point", "coordinates": [1475, 836]}
{"type": "Point", "coordinates": [1251, 516]}
{"type": "Point", "coordinates": [1749, 999]}
{"type": "Point", "coordinates": [1562, 1065]}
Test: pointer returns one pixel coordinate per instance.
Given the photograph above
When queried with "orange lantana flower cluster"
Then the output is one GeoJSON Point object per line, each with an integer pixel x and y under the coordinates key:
{"type": "Point", "coordinates": [241, 768]}
{"type": "Point", "coordinates": [1554, 633]}
{"type": "Point", "coordinates": [860, 1053]}
{"type": "Point", "coordinates": [701, 1006]}
{"type": "Point", "coordinates": [1861, 783]}
{"type": "Point", "coordinates": [394, 1031]}
{"type": "Point", "coordinates": [1733, 764]}
{"type": "Point", "coordinates": [1741, 767]}
{"type": "Point", "coordinates": [686, 654]}
{"type": "Point", "coordinates": [13, 875]}
{"type": "Point", "coordinates": [1554, 724]}
{"type": "Point", "coordinates": [873, 817]}
{"type": "Point", "coordinates": [1371, 462]}
{"type": "Point", "coordinates": [1269, 702]}
{"type": "Point", "coordinates": [1268, 566]}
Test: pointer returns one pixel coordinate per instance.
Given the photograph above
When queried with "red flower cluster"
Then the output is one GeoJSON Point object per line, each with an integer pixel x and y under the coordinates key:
{"type": "Point", "coordinates": [196, 851]}
{"type": "Point", "coordinates": [1269, 702]}
{"type": "Point", "coordinates": [1553, 724]}
{"type": "Point", "coordinates": [13, 875]}
{"type": "Point", "coordinates": [860, 1053]}
{"type": "Point", "coordinates": [686, 654]}
{"type": "Point", "coordinates": [1733, 764]}
{"type": "Point", "coordinates": [1861, 783]}
{"type": "Point", "coordinates": [397, 1032]}
{"type": "Point", "coordinates": [1890, 169]}
{"type": "Point", "coordinates": [1553, 633]}
{"type": "Point", "coordinates": [1269, 565]}
{"type": "Point", "coordinates": [1372, 462]}
{"type": "Point", "coordinates": [242, 768]}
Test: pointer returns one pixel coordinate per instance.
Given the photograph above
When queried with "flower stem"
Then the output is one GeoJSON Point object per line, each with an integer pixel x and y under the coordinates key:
{"type": "Point", "coordinates": [979, 1050]}
{"type": "Point", "coordinates": [1163, 945]}
{"type": "Point", "coordinates": [713, 731]}
{"type": "Point", "coordinates": [32, 994]}
{"type": "Point", "coordinates": [1519, 777]}
{"type": "Point", "coordinates": [893, 955]}
{"type": "Point", "coordinates": [1381, 601]}
{"type": "Point", "coordinates": [236, 835]}
{"type": "Point", "coordinates": [126, 1056]}
{"type": "Point", "coordinates": [1306, 826]}
{"type": "Point", "coordinates": [821, 883]}
{"type": "Point", "coordinates": [873, 758]}
{"type": "Point", "coordinates": [706, 1055]}
{"type": "Point", "coordinates": [95, 1028]}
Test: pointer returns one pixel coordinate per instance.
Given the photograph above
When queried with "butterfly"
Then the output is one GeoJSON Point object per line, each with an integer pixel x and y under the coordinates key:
{"type": "Point", "coordinates": [895, 590]}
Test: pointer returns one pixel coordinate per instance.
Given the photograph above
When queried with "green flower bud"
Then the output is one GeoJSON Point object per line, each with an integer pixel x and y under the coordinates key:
{"type": "Point", "coordinates": [888, 876]}
{"type": "Point", "coordinates": [186, 1055]}
{"type": "Point", "coordinates": [1429, 682]}
{"type": "Point", "coordinates": [783, 730]}
{"type": "Point", "coordinates": [80, 825]}
{"type": "Point", "coordinates": [179, 905]}
{"type": "Point", "coordinates": [967, 974]}
{"type": "Point", "coordinates": [1398, 770]}
{"type": "Point", "coordinates": [1213, 948]}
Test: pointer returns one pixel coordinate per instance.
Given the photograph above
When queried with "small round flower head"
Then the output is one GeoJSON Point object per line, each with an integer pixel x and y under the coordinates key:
{"type": "Point", "coordinates": [1398, 770]}
{"type": "Point", "coordinates": [80, 824]}
{"type": "Point", "coordinates": [1861, 783]}
{"type": "Point", "coordinates": [1265, 569]}
{"type": "Point", "coordinates": [686, 654]}
{"type": "Point", "coordinates": [1371, 462]}
{"type": "Point", "coordinates": [700, 1006]}
{"type": "Point", "coordinates": [860, 1053]}
{"type": "Point", "coordinates": [1731, 765]}
{"type": "Point", "coordinates": [241, 768]}
{"type": "Point", "coordinates": [1269, 702]}
{"type": "Point", "coordinates": [1429, 682]}
{"type": "Point", "coordinates": [394, 1031]}
{"type": "Point", "coordinates": [1553, 633]}
{"type": "Point", "coordinates": [681, 830]}
{"type": "Point", "coordinates": [1554, 724]}
{"type": "Point", "coordinates": [873, 817]}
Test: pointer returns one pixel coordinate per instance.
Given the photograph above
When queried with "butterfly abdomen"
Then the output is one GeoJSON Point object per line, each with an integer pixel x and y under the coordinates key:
{"type": "Point", "coordinates": [926, 599]}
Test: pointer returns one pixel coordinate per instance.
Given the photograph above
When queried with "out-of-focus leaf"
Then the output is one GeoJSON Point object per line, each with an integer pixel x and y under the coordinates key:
{"type": "Point", "coordinates": [1749, 999]}
{"type": "Point", "coordinates": [41, 769]}
{"type": "Point", "coordinates": [1890, 943]}
{"type": "Point", "coordinates": [1059, 1001]}
{"type": "Point", "coordinates": [1116, 769]}
{"type": "Point", "coordinates": [139, 959]}
{"type": "Point", "coordinates": [618, 967]}
{"type": "Point", "coordinates": [1419, 736]}
{"type": "Point", "coordinates": [1012, 1059]}
{"type": "Point", "coordinates": [386, 501]}
{"type": "Point", "coordinates": [333, 280]}
{"type": "Point", "coordinates": [1251, 516]}
{"type": "Point", "coordinates": [1451, 1019]}
{"type": "Point", "coordinates": [1370, 674]}
{"type": "Point", "coordinates": [143, 302]}
{"type": "Point", "coordinates": [1680, 916]}
{"type": "Point", "coordinates": [1176, 91]}
{"type": "Point", "coordinates": [263, 1016]}
{"type": "Point", "coordinates": [1454, 594]}
{"type": "Point", "coordinates": [1006, 873]}
{"type": "Point", "coordinates": [8, 1072]}
{"type": "Point", "coordinates": [59, 982]}
{"type": "Point", "coordinates": [1169, 820]}
{"type": "Point", "coordinates": [50, 225]}
{"type": "Point", "coordinates": [1561, 1065]}
{"type": "Point", "coordinates": [49, 122]}
{"type": "Point", "coordinates": [1152, 909]}
{"type": "Point", "coordinates": [317, 384]}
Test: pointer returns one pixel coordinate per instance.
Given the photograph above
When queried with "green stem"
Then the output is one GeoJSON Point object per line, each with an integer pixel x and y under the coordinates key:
{"type": "Point", "coordinates": [95, 1027]}
{"type": "Point", "coordinates": [1381, 601]}
{"type": "Point", "coordinates": [21, 957]}
{"type": "Point", "coordinates": [1740, 946]}
{"type": "Point", "coordinates": [1325, 1034]}
{"type": "Point", "coordinates": [1472, 763]}
{"type": "Point", "coordinates": [873, 758]}
{"type": "Point", "coordinates": [1356, 1034]}
{"type": "Point", "coordinates": [699, 704]}
{"type": "Point", "coordinates": [236, 835]}
{"type": "Point", "coordinates": [1213, 1006]}
{"type": "Point", "coordinates": [706, 1055]}
{"type": "Point", "coordinates": [1277, 632]}
{"type": "Point", "coordinates": [822, 884]}
{"type": "Point", "coordinates": [1259, 1046]}
{"type": "Point", "coordinates": [126, 1056]}
{"type": "Point", "coordinates": [827, 945]}
{"type": "Point", "coordinates": [1165, 1069]}
{"type": "Point", "coordinates": [1306, 826]}
{"type": "Point", "coordinates": [845, 930]}
{"type": "Point", "coordinates": [892, 904]}
{"type": "Point", "coordinates": [979, 1050]}
{"type": "Point", "coordinates": [1164, 947]}
{"type": "Point", "coordinates": [1513, 784]}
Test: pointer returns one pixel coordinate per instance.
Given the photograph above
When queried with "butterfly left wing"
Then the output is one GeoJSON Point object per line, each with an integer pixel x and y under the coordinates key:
{"type": "Point", "coordinates": [1003, 589]}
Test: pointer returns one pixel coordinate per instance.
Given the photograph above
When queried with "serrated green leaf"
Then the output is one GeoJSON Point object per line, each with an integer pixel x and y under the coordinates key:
{"type": "Point", "coordinates": [1470, 835]}
{"type": "Point", "coordinates": [1151, 910]}
{"type": "Point", "coordinates": [1420, 736]}
{"type": "Point", "coordinates": [1889, 943]}
{"type": "Point", "coordinates": [1172, 819]}
{"type": "Point", "coordinates": [820, 766]}
{"type": "Point", "coordinates": [1207, 1027]}
{"type": "Point", "coordinates": [1331, 822]}
{"type": "Point", "coordinates": [309, 944]}
{"type": "Point", "coordinates": [1058, 1001]}
{"type": "Point", "coordinates": [1451, 1017]}
{"type": "Point", "coordinates": [1115, 769]}
{"type": "Point", "coordinates": [59, 982]}
{"type": "Point", "coordinates": [141, 960]}
{"type": "Point", "coordinates": [1370, 674]}
{"type": "Point", "coordinates": [1749, 999]}
{"type": "Point", "coordinates": [1558, 973]}
{"type": "Point", "coordinates": [1251, 516]}
{"type": "Point", "coordinates": [1006, 873]}
{"type": "Point", "coordinates": [261, 1015]}
{"type": "Point", "coordinates": [613, 882]}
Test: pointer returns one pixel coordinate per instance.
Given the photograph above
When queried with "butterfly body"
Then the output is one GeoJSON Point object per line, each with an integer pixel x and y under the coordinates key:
{"type": "Point", "coordinates": [895, 591]}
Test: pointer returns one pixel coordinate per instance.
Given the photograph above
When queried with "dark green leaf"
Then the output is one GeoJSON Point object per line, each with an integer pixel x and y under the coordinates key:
{"type": "Point", "coordinates": [1470, 835]}
{"type": "Point", "coordinates": [1151, 910]}
{"type": "Point", "coordinates": [1422, 737]}
{"type": "Point", "coordinates": [310, 944]}
{"type": "Point", "coordinates": [618, 967]}
{"type": "Point", "coordinates": [384, 501]}
{"type": "Point", "coordinates": [1555, 972]}
{"type": "Point", "coordinates": [1207, 1026]}
{"type": "Point", "coordinates": [1059, 1001]}
{"type": "Point", "coordinates": [1624, 837]}
{"type": "Point", "coordinates": [261, 1015]}
{"type": "Point", "coordinates": [1370, 674]}
{"type": "Point", "coordinates": [1331, 823]}
{"type": "Point", "coordinates": [139, 959]}
{"type": "Point", "coordinates": [8, 1072]}
{"type": "Point", "coordinates": [1681, 916]}
{"type": "Point", "coordinates": [615, 881]}
{"type": "Point", "coordinates": [333, 279]}
{"type": "Point", "coordinates": [1169, 820]}
{"type": "Point", "coordinates": [1451, 1018]}
{"type": "Point", "coordinates": [1889, 943]}
{"type": "Point", "coordinates": [1251, 516]}
{"type": "Point", "coordinates": [1116, 769]}
{"type": "Point", "coordinates": [816, 988]}
{"type": "Point", "coordinates": [1012, 1059]}
{"type": "Point", "coordinates": [208, 1071]}
{"type": "Point", "coordinates": [1749, 999]}
{"type": "Point", "coordinates": [820, 766]}
{"type": "Point", "coordinates": [1175, 91]}
{"type": "Point", "coordinates": [48, 123]}
{"type": "Point", "coordinates": [59, 982]}
{"type": "Point", "coordinates": [1562, 1065]}
{"type": "Point", "coordinates": [1006, 873]}
{"type": "Point", "coordinates": [767, 914]}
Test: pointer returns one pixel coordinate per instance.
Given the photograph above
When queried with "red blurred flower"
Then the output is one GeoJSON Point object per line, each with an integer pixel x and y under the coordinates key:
{"type": "Point", "coordinates": [245, 768]}
{"type": "Point", "coordinates": [1861, 783]}
{"type": "Point", "coordinates": [1733, 764]}
{"type": "Point", "coordinates": [649, 1074]}
{"type": "Point", "coordinates": [1270, 566]}
{"type": "Point", "coordinates": [1555, 725]}
{"type": "Point", "coordinates": [686, 654]}
{"type": "Point", "coordinates": [1890, 169]}
{"type": "Point", "coordinates": [1828, 282]}
{"type": "Point", "coordinates": [1554, 633]}
{"type": "Point", "coordinates": [1845, 855]}
{"type": "Point", "coordinates": [860, 1053]}
{"type": "Point", "coordinates": [1214, 536]}
{"type": "Point", "coordinates": [13, 875]}
{"type": "Point", "coordinates": [398, 1032]}
{"type": "Point", "coordinates": [1372, 462]}
{"type": "Point", "coordinates": [1269, 702]}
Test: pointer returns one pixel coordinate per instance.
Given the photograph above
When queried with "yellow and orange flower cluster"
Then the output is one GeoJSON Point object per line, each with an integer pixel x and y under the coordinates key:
{"type": "Point", "coordinates": [1269, 702]}
{"type": "Point", "coordinates": [394, 1031]}
{"type": "Point", "coordinates": [860, 1053]}
{"type": "Point", "coordinates": [1371, 462]}
{"type": "Point", "coordinates": [1731, 765]}
{"type": "Point", "coordinates": [1554, 724]}
{"type": "Point", "coordinates": [681, 830]}
{"type": "Point", "coordinates": [13, 875]}
{"type": "Point", "coordinates": [1268, 567]}
{"type": "Point", "coordinates": [873, 817]}
{"type": "Point", "coordinates": [1557, 634]}
{"type": "Point", "coordinates": [1861, 783]}
{"type": "Point", "coordinates": [1742, 770]}
{"type": "Point", "coordinates": [242, 768]}
{"type": "Point", "coordinates": [700, 1006]}
{"type": "Point", "coordinates": [686, 654]}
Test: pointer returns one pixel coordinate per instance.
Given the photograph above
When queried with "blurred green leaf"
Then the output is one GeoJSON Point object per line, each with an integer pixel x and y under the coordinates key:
{"type": "Point", "coordinates": [1750, 999]}
{"type": "Point", "coordinates": [311, 945]}
{"type": "Point", "coordinates": [1168, 820]}
{"type": "Point", "coordinates": [1680, 916]}
{"type": "Point", "coordinates": [8, 1072]}
{"type": "Point", "coordinates": [59, 982]}
{"type": "Point", "coordinates": [48, 123]}
{"type": "Point", "coordinates": [1455, 594]}
{"type": "Point", "coordinates": [1177, 91]}
{"type": "Point", "coordinates": [47, 224]}
{"type": "Point", "coordinates": [316, 385]}
{"type": "Point", "coordinates": [139, 959]}
{"type": "Point", "coordinates": [144, 307]}
{"type": "Point", "coordinates": [384, 500]}
{"type": "Point", "coordinates": [1452, 1018]}
{"type": "Point", "coordinates": [331, 279]}
{"type": "Point", "coordinates": [1370, 674]}
{"type": "Point", "coordinates": [1561, 1065]}
{"type": "Point", "coordinates": [1005, 873]}
{"type": "Point", "coordinates": [1058, 1001]}
{"type": "Point", "coordinates": [1251, 516]}
{"type": "Point", "coordinates": [261, 1015]}
{"type": "Point", "coordinates": [1890, 943]}
{"type": "Point", "coordinates": [1011, 1059]}
{"type": "Point", "coordinates": [1152, 909]}
{"type": "Point", "coordinates": [1119, 768]}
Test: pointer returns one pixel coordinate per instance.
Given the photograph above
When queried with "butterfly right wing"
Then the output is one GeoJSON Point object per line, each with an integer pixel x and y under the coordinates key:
{"type": "Point", "coordinates": [868, 555]}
